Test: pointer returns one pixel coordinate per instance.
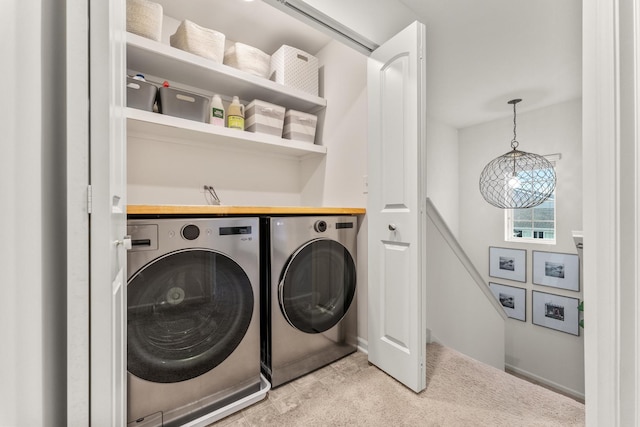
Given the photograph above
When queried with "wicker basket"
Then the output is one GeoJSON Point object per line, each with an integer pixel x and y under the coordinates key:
{"type": "Point", "coordinates": [198, 40]}
{"type": "Point", "coordinates": [144, 18]}
{"type": "Point", "coordinates": [248, 58]}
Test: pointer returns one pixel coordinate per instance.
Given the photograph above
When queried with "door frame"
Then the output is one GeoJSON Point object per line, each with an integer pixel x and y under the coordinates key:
{"type": "Point", "coordinates": [77, 156]}
{"type": "Point", "coordinates": [107, 225]}
{"type": "Point", "coordinates": [611, 211]}
{"type": "Point", "coordinates": [600, 77]}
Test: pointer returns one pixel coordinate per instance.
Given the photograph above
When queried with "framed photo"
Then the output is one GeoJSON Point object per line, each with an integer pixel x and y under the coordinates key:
{"type": "Point", "coordinates": [513, 300]}
{"type": "Point", "coordinates": [556, 312]}
{"type": "Point", "coordinates": [508, 264]}
{"type": "Point", "coordinates": [556, 270]}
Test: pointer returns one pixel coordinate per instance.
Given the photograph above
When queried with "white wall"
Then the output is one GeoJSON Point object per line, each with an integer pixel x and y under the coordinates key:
{"type": "Point", "coordinates": [33, 189]}
{"type": "Point", "coordinates": [174, 173]}
{"type": "Point", "coordinates": [546, 354]}
{"type": "Point", "coordinates": [460, 314]}
{"type": "Point", "coordinates": [442, 171]}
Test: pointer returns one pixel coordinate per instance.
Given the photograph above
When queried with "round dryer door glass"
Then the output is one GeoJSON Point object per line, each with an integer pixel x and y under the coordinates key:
{"type": "Point", "coordinates": [187, 312]}
{"type": "Point", "coordinates": [318, 286]}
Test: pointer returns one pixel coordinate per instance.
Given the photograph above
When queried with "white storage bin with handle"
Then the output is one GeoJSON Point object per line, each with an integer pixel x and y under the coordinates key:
{"type": "Point", "coordinates": [144, 18]}
{"type": "Point", "coordinates": [300, 126]}
{"type": "Point", "coordinates": [263, 117]}
{"type": "Point", "coordinates": [248, 58]}
{"type": "Point", "coordinates": [295, 68]}
{"type": "Point", "coordinates": [198, 40]}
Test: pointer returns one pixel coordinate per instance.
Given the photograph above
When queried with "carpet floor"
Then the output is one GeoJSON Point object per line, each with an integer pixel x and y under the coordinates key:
{"type": "Point", "coordinates": [460, 392]}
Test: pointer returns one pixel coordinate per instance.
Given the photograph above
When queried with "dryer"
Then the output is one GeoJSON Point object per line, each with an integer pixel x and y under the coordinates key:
{"type": "Point", "coordinates": [193, 330]}
{"type": "Point", "coordinates": [309, 294]}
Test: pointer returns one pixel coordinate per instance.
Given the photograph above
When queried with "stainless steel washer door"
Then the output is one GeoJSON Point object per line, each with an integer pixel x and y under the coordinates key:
{"type": "Point", "coordinates": [317, 286]}
{"type": "Point", "coordinates": [187, 312]}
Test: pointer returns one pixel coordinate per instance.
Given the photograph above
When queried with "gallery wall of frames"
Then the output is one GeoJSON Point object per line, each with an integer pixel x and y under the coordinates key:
{"type": "Point", "coordinates": [550, 270]}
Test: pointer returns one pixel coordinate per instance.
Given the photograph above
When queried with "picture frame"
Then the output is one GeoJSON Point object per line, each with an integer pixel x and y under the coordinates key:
{"type": "Point", "coordinates": [512, 299]}
{"type": "Point", "coordinates": [556, 270]}
{"type": "Point", "coordinates": [556, 312]}
{"type": "Point", "coordinates": [506, 263]}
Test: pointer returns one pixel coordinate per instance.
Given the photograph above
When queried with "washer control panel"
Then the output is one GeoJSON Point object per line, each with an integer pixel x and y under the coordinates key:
{"type": "Point", "coordinates": [144, 237]}
{"type": "Point", "coordinates": [320, 226]}
{"type": "Point", "coordinates": [190, 232]}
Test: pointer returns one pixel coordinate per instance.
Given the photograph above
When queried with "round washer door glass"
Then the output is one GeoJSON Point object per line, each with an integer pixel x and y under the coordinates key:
{"type": "Point", "coordinates": [187, 312]}
{"type": "Point", "coordinates": [317, 286]}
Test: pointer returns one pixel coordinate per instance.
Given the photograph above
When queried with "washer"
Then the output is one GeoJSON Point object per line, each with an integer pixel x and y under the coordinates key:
{"type": "Point", "coordinates": [309, 303]}
{"type": "Point", "coordinates": [193, 328]}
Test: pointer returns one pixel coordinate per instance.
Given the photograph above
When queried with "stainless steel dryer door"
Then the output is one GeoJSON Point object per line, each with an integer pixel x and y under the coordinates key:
{"type": "Point", "coordinates": [187, 312]}
{"type": "Point", "coordinates": [317, 286]}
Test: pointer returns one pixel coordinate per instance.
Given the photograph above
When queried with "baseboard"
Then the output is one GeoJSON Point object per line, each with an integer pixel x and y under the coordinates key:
{"type": "Point", "coordinates": [536, 378]}
{"type": "Point", "coordinates": [363, 345]}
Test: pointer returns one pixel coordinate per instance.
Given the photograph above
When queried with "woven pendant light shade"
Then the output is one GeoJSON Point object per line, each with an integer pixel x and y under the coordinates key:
{"type": "Point", "coordinates": [533, 182]}
{"type": "Point", "coordinates": [517, 179]}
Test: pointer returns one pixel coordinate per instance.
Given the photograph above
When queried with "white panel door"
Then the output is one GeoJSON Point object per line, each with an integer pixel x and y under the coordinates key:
{"type": "Point", "coordinates": [108, 341]}
{"type": "Point", "coordinates": [396, 207]}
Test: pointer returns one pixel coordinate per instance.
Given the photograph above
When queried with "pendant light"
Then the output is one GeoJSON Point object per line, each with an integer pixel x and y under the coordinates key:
{"type": "Point", "coordinates": [517, 179]}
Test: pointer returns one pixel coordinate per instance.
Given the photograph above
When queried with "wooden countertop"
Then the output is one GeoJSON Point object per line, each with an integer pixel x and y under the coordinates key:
{"type": "Point", "coordinates": [239, 210]}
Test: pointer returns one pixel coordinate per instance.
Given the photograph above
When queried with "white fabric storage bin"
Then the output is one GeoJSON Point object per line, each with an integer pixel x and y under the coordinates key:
{"type": "Point", "coordinates": [144, 18]}
{"type": "Point", "coordinates": [300, 126]}
{"type": "Point", "coordinates": [198, 40]}
{"type": "Point", "coordinates": [295, 68]}
{"type": "Point", "coordinates": [263, 117]}
{"type": "Point", "coordinates": [248, 58]}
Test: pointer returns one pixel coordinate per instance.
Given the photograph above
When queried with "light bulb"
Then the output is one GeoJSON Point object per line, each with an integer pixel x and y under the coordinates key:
{"type": "Point", "coordinates": [514, 182]}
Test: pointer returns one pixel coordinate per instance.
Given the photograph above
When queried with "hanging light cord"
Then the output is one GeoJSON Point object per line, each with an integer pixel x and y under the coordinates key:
{"type": "Point", "coordinates": [514, 142]}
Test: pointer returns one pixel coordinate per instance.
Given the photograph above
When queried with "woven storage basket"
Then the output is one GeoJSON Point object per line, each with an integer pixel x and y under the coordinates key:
{"type": "Point", "coordinates": [198, 40]}
{"type": "Point", "coordinates": [300, 126]}
{"type": "Point", "coordinates": [264, 117]}
{"type": "Point", "coordinates": [248, 58]}
{"type": "Point", "coordinates": [295, 68]}
{"type": "Point", "coordinates": [144, 18]}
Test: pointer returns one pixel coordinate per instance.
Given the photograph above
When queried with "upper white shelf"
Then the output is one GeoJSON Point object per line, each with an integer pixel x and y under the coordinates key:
{"type": "Point", "coordinates": [154, 58]}
{"type": "Point", "coordinates": [148, 125]}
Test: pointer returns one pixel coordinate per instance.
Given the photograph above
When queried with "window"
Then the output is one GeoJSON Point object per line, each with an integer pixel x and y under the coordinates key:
{"type": "Point", "coordinates": [533, 225]}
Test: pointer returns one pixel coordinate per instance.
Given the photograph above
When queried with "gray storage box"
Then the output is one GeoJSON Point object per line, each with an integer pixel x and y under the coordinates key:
{"type": "Point", "coordinates": [141, 94]}
{"type": "Point", "coordinates": [300, 126]}
{"type": "Point", "coordinates": [187, 105]}
{"type": "Point", "coordinates": [263, 117]}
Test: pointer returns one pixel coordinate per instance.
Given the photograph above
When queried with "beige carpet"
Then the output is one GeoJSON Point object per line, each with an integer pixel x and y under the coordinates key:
{"type": "Point", "coordinates": [460, 392]}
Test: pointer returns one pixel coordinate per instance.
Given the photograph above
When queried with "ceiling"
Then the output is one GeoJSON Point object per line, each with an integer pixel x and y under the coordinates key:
{"type": "Point", "coordinates": [480, 54]}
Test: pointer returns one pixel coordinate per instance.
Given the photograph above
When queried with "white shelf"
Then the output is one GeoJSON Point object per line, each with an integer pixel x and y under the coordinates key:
{"type": "Point", "coordinates": [154, 58]}
{"type": "Point", "coordinates": [148, 125]}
